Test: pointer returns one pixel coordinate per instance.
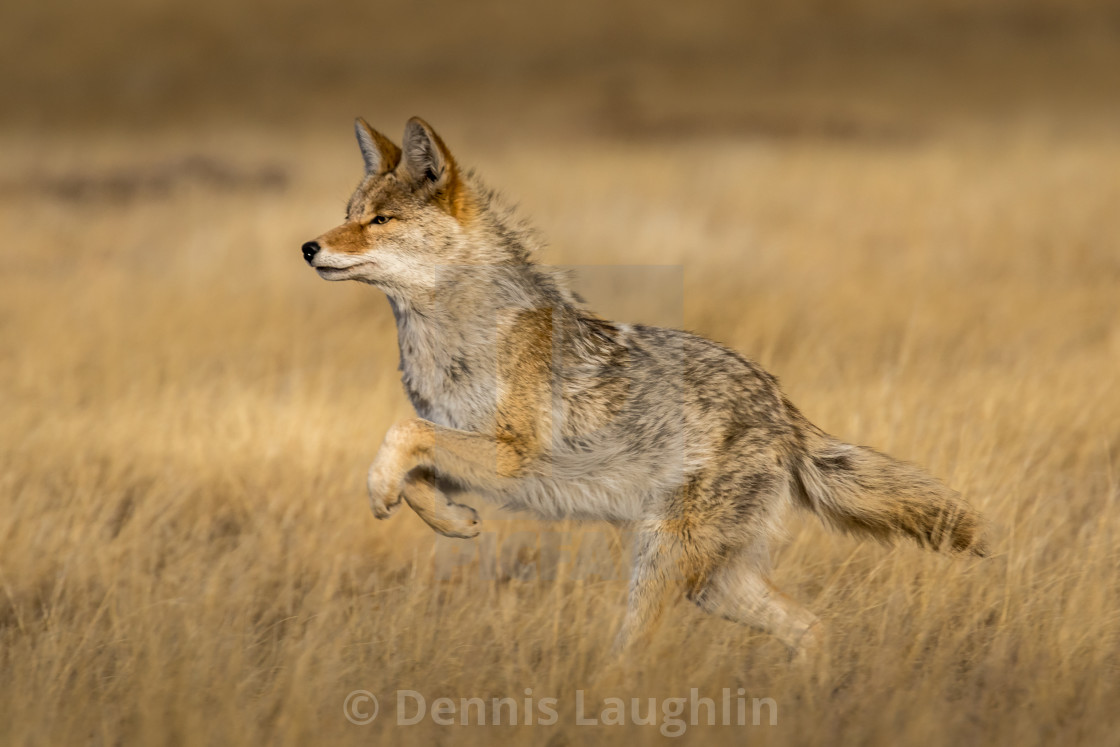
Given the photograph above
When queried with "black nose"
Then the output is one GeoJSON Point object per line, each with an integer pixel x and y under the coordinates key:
{"type": "Point", "coordinates": [310, 249]}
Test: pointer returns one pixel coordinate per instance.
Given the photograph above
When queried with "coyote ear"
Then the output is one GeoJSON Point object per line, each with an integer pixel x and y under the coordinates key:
{"type": "Point", "coordinates": [426, 158]}
{"type": "Point", "coordinates": [379, 152]}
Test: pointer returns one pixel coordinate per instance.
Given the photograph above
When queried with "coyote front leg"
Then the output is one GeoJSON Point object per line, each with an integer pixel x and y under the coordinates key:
{"type": "Point", "coordinates": [667, 563]}
{"type": "Point", "coordinates": [431, 500]}
{"type": "Point", "coordinates": [470, 459]}
{"type": "Point", "coordinates": [652, 582]}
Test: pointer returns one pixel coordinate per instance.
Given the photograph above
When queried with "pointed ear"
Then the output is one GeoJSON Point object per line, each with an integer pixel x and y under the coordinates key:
{"type": "Point", "coordinates": [379, 152]}
{"type": "Point", "coordinates": [426, 158]}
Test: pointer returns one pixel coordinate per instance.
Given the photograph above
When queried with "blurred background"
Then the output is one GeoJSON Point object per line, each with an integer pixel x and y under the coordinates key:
{"type": "Point", "coordinates": [906, 211]}
{"type": "Point", "coordinates": [855, 69]}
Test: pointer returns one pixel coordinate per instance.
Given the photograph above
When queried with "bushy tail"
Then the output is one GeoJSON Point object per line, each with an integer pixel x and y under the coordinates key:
{"type": "Point", "coordinates": [858, 490]}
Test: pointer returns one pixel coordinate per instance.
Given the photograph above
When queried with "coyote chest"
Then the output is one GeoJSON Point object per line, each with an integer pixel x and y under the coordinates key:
{"type": "Point", "coordinates": [449, 378]}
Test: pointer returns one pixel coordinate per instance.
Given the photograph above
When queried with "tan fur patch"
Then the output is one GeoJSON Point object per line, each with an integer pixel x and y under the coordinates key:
{"type": "Point", "coordinates": [524, 418]}
{"type": "Point", "coordinates": [349, 238]}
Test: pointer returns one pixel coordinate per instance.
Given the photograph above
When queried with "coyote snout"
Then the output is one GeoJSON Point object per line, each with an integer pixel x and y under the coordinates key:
{"type": "Point", "coordinates": [527, 398]}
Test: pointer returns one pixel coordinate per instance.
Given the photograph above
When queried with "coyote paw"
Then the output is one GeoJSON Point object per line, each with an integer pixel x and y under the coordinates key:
{"type": "Point", "coordinates": [384, 492]}
{"type": "Point", "coordinates": [455, 520]}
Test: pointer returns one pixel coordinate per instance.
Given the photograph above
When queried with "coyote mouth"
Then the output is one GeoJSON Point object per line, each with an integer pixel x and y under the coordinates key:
{"type": "Point", "coordinates": [328, 272]}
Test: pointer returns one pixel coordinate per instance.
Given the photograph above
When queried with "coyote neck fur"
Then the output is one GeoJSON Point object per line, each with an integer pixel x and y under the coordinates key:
{"type": "Point", "coordinates": [448, 340]}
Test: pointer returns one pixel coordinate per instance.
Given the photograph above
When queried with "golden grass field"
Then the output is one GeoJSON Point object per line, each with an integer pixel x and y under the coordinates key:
{"type": "Point", "coordinates": [925, 255]}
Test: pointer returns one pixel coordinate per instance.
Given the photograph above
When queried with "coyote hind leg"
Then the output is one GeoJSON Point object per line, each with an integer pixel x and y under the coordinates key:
{"type": "Point", "coordinates": [740, 591]}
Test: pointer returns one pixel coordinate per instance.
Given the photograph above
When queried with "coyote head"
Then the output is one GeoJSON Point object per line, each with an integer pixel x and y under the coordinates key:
{"type": "Point", "coordinates": [408, 218]}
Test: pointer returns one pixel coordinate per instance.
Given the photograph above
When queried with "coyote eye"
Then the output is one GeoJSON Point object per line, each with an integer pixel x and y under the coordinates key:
{"type": "Point", "coordinates": [380, 219]}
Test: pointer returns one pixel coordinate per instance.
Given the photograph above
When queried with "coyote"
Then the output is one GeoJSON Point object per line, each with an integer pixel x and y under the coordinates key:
{"type": "Point", "coordinates": [527, 398]}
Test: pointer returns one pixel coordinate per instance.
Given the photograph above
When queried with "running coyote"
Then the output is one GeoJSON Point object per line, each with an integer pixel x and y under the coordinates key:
{"type": "Point", "coordinates": [528, 399]}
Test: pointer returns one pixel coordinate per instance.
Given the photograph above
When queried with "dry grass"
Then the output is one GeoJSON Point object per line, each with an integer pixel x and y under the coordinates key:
{"type": "Point", "coordinates": [185, 551]}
